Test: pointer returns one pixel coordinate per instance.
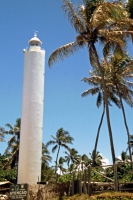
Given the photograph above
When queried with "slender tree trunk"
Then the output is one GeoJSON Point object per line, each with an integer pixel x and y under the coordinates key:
{"type": "Point", "coordinates": [125, 122]}
{"type": "Point", "coordinates": [106, 103]}
{"type": "Point", "coordinates": [97, 137]}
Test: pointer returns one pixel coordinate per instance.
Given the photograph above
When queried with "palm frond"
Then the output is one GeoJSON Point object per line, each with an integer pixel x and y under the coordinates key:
{"type": "Point", "coordinates": [99, 99]}
{"type": "Point", "coordinates": [9, 126]}
{"type": "Point", "coordinates": [83, 13]}
{"type": "Point", "coordinates": [93, 80]}
{"type": "Point", "coordinates": [129, 84]}
{"type": "Point", "coordinates": [69, 140]}
{"type": "Point", "coordinates": [115, 100]}
{"type": "Point", "coordinates": [93, 58]}
{"type": "Point", "coordinates": [11, 141]}
{"type": "Point", "coordinates": [107, 49]}
{"type": "Point", "coordinates": [54, 148]}
{"type": "Point", "coordinates": [113, 12]}
{"type": "Point", "coordinates": [64, 51]}
{"type": "Point", "coordinates": [50, 142]}
{"type": "Point", "coordinates": [2, 134]}
{"type": "Point", "coordinates": [73, 16]}
{"type": "Point", "coordinates": [90, 91]}
{"type": "Point", "coordinates": [65, 146]}
{"type": "Point", "coordinates": [44, 149]}
{"type": "Point", "coordinates": [46, 158]}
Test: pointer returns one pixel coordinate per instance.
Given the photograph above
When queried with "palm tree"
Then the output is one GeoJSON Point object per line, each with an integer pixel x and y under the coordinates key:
{"type": "Point", "coordinates": [47, 174]}
{"type": "Point", "coordinates": [2, 134]}
{"type": "Point", "coordinates": [92, 26]}
{"type": "Point", "coordinates": [12, 151]}
{"type": "Point", "coordinates": [98, 158]}
{"type": "Point", "coordinates": [72, 167]}
{"type": "Point", "coordinates": [3, 161]}
{"type": "Point", "coordinates": [60, 165]}
{"type": "Point", "coordinates": [71, 156]}
{"type": "Point", "coordinates": [46, 158]}
{"type": "Point", "coordinates": [82, 162]}
{"type": "Point", "coordinates": [124, 157]}
{"type": "Point", "coordinates": [61, 140]}
{"type": "Point", "coordinates": [119, 70]}
{"type": "Point", "coordinates": [95, 79]}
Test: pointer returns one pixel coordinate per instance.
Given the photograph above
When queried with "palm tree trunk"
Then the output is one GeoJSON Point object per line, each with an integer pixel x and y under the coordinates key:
{"type": "Point", "coordinates": [106, 103]}
{"type": "Point", "coordinates": [125, 122]}
{"type": "Point", "coordinates": [97, 137]}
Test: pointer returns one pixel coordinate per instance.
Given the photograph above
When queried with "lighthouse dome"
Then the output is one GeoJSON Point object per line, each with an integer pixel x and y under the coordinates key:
{"type": "Point", "coordinates": [35, 41]}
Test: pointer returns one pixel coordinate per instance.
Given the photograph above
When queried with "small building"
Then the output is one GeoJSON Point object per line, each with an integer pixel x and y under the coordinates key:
{"type": "Point", "coordinates": [4, 186]}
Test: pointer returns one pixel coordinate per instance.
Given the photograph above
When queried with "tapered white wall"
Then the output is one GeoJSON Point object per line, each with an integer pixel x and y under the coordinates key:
{"type": "Point", "coordinates": [29, 168]}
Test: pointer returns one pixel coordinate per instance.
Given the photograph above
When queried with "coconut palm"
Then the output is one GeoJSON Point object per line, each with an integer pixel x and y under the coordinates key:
{"type": "Point", "coordinates": [98, 158]}
{"type": "Point", "coordinates": [3, 161]}
{"type": "Point", "coordinates": [71, 156]}
{"type": "Point", "coordinates": [83, 161]}
{"type": "Point", "coordinates": [119, 70]}
{"type": "Point", "coordinates": [92, 26]}
{"type": "Point", "coordinates": [47, 174]}
{"type": "Point", "coordinates": [12, 151]}
{"type": "Point", "coordinates": [62, 139]}
{"type": "Point", "coordinates": [124, 157]}
{"type": "Point", "coordinates": [95, 80]}
{"type": "Point", "coordinates": [46, 158]}
{"type": "Point", "coordinates": [60, 166]}
{"type": "Point", "coordinates": [123, 167]}
{"type": "Point", "coordinates": [72, 167]}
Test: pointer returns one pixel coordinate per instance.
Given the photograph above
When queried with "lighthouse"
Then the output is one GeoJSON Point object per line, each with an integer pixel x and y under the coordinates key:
{"type": "Point", "coordinates": [30, 150]}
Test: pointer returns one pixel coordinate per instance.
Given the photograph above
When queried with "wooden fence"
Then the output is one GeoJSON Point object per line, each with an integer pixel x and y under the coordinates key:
{"type": "Point", "coordinates": [117, 177]}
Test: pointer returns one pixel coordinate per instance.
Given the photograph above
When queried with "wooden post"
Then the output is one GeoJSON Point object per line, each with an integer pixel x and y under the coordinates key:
{"type": "Point", "coordinates": [89, 180]}
{"type": "Point", "coordinates": [85, 190]}
{"type": "Point", "coordinates": [80, 183]}
{"type": "Point", "coordinates": [72, 183]}
{"type": "Point", "coordinates": [115, 177]}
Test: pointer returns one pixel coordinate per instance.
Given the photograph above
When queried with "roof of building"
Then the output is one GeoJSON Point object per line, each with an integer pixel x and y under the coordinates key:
{"type": "Point", "coordinates": [4, 182]}
{"type": "Point", "coordinates": [35, 40]}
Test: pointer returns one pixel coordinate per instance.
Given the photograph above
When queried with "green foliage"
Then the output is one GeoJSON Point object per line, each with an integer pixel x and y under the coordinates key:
{"type": "Point", "coordinates": [9, 174]}
{"type": "Point", "coordinates": [65, 178]}
{"type": "Point", "coordinates": [68, 177]}
{"type": "Point", "coordinates": [47, 174]}
{"type": "Point", "coordinates": [46, 158]}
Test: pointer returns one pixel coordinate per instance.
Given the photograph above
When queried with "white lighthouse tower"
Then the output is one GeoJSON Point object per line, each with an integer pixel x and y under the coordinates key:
{"type": "Point", "coordinates": [30, 153]}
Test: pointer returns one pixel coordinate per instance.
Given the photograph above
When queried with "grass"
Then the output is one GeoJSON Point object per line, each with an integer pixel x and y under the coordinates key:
{"type": "Point", "coordinates": [105, 196]}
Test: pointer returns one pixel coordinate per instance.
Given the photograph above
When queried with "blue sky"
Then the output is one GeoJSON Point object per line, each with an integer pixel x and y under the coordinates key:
{"type": "Point", "coordinates": [63, 104]}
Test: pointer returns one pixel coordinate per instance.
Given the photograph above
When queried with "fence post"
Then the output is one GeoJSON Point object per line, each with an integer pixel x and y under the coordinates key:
{"type": "Point", "coordinates": [72, 183]}
{"type": "Point", "coordinates": [115, 177]}
{"type": "Point", "coordinates": [85, 190]}
{"type": "Point", "coordinates": [80, 183]}
{"type": "Point", "coordinates": [89, 180]}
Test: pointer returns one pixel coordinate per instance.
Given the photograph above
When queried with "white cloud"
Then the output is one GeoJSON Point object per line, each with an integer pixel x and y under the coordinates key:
{"type": "Point", "coordinates": [119, 157]}
{"type": "Point", "coordinates": [105, 161]}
